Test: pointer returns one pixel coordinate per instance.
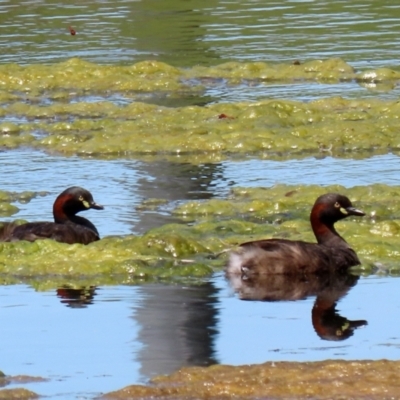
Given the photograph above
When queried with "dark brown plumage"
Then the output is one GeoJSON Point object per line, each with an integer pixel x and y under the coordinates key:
{"type": "Point", "coordinates": [67, 226]}
{"type": "Point", "coordinates": [281, 256]}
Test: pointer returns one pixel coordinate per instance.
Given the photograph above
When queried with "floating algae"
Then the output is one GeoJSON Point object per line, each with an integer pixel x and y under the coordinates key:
{"type": "Point", "coordinates": [176, 251]}
{"type": "Point", "coordinates": [265, 126]}
{"type": "Point", "coordinates": [46, 108]}
{"type": "Point", "coordinates": [283, 211]}
{"type": "Point", "coordinates": [6, 198]}
{"type": "Point", "coordinates": [78, 75]}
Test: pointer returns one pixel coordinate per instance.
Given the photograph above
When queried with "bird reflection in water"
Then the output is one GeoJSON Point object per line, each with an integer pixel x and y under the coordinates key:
{"type": "Point", "coordinates": [76, 297]}
{"type": "Point", "coordinates": [326, 321]}
{"type": "Point", "coordinates": [328, 288]}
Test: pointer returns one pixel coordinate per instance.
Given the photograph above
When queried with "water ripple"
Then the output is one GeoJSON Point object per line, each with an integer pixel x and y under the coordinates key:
{"type": "Point", "coordinates": [122, 185]}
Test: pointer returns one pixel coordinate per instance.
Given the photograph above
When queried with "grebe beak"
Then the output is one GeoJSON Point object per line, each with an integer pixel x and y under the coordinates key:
{"type": "Point", "coordinates": [99, 207]}
{"type": "Point", "coordinates": [354, 211]}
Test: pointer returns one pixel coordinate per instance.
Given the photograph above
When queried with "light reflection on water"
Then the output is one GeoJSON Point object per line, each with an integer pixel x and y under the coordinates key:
{"type": "Point", "coordinates": [200, 32]}
{"type": "Point", "coordinates": [72, 347]}
{"type": "Point", "coordinates": [209, 32]}
{"type": "Point", "coordinates": [311, 171]}
{"type": "Point", "coordinates": [125, 335]}
{"type": "Point", "coordinates": [122, 185]}
{"type": "Point", "coordinates": [282, 331]}
{"type": "Point", "coordinates": [301, 91]}
{"type": "Point", "coordinates": [129, 334]}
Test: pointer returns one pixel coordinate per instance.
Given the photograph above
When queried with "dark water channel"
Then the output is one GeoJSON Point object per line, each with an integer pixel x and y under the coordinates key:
{"type": "Point", "coordinates": [109, 337]}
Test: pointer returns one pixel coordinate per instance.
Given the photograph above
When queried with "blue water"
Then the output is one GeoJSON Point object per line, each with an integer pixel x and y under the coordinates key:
{"type": "Point", "coordinates": [130, 333]}
{"type": "Point", "coordinates": [122, 185]}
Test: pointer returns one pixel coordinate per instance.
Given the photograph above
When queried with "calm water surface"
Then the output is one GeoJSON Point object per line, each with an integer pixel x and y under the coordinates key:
{"type": "Point", "coordinates": [115, 336]}
{"type": "Point", "coordinates": [122, 185]}
{"type": "Point", "coordinates": [128, 334]}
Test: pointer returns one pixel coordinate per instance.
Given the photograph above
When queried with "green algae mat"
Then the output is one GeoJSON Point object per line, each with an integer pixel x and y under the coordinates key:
{"type": "Point", "coordinates": [51, 107]}
{"type": "Point", "coordinates": [46, 107]}
{"type": "Point", "coordinates": [196, 247]}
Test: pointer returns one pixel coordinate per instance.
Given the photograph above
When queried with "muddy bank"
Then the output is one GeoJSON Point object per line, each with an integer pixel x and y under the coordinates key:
{"type": "Point", "coordinates": [277, 380]}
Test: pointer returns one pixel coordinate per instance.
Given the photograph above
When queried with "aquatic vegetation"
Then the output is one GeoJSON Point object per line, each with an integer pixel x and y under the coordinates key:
{"type": "Point", "coordinates": [151, 75]}
{"type": "Point", "coordinates": [48, 107]}
{"type": "Point", "coordinates": [189, 251]}
{"type": "Point", "coordinates": [6, 198]}
{"type": "Point", "coordinates": [76, 107]}
{"type": "Point", "coordinates": [283, 211]}
{"type": "Point", "coordinates": [270, 126]}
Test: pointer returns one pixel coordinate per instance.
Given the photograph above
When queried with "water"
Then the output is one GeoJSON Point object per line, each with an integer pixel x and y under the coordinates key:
{"type": "Point", "coordinates": [200, 32]}
{"type": "Point", "coordinates": [115, 336]}
{"type": "Point", "coordinates": [128, 334]}
{"type": "Point", "coordinates": [122, 185]}
{"type": "Point", "coordinates": [81, 343]}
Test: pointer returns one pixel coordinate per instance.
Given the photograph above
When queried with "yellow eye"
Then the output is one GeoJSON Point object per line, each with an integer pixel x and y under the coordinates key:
{"type": "Point", "coordinates": [337, 205]}
{"type": "Point", "coordinates": [80, 198]}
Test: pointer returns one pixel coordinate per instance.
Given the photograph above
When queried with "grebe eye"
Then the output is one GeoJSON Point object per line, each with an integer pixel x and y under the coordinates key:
{"type": "Point", "coordinates": [337, 205]}
{"type": "Point", "coordinates": [80, 198]}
